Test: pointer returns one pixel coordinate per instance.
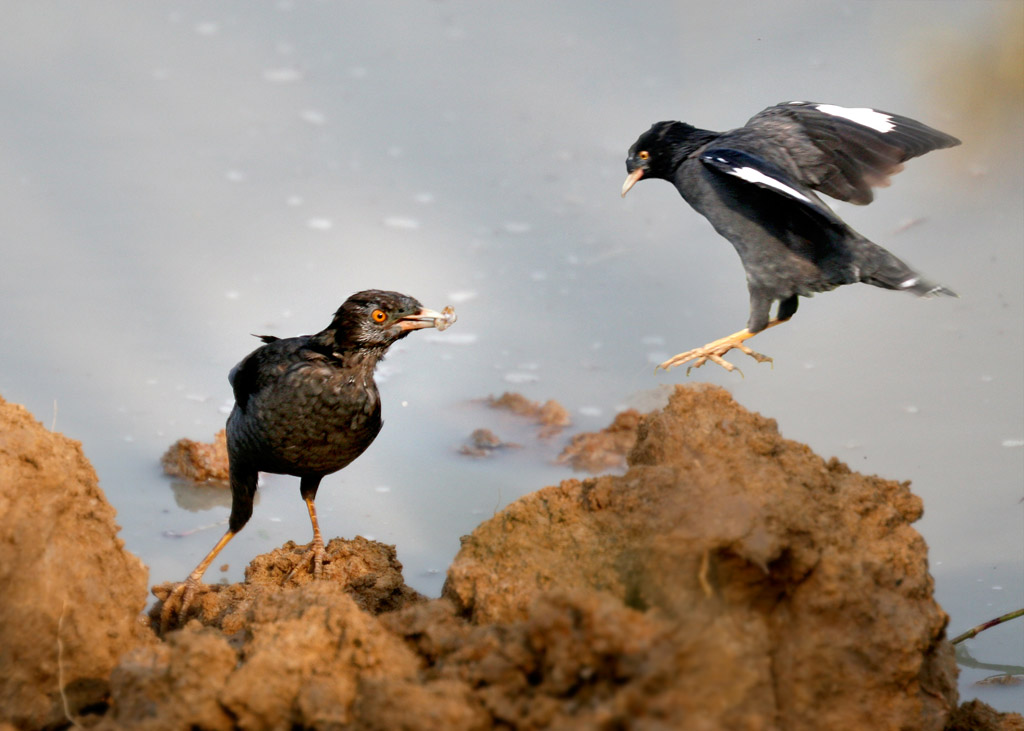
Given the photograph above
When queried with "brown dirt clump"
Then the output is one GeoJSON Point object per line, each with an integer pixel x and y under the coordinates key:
{"type": "Point", "coordinates": [484, 443]}
{"type": "Point", "coordinates": [297, 660]}
{"type": "Point", "coordinates": [198, 461]}
{"type": "Point", "coordinates": [367, 571]}
{"type": "Point", "coordinates": [731, 579]}
{"type": "Point", "coordinates": [551, 415]}
{"type": "Point", "coordinates": [796, 587]}
{"type": "Point", "coordinates": [71, 595]}
{"type": "Point", "coordinates": [605, 449]}
{"type": "Point", "coordinates": [977, 716]}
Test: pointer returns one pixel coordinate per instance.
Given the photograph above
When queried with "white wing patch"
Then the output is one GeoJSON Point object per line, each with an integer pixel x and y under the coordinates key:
{"type": "Point", "coordinates": [753, 175]}
{"type": "Point", "coordinates": [860, 115]}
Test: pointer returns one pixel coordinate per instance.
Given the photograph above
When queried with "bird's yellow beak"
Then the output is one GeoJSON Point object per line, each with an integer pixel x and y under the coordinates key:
{"type": "Point", "coordinates": [631, 180]}
{"type": "Point", "coordinates": [428, 318]}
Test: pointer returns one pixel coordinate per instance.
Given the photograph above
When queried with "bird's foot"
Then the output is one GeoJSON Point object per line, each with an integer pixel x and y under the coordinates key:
{"type": "Point", "coordinates": [714, 351]}
{"type": "Point", "coordinates": [315, 553]}
{"type": "Point", "coordinates": [319, 554]}
{"type": "Point", "coordinates": [175, 606]}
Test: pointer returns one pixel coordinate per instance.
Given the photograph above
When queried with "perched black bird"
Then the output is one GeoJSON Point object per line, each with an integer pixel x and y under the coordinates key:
{"type": "Point", "coordinates": [307, 406]}
{"type": "Point", "coordinates": [756, 185]}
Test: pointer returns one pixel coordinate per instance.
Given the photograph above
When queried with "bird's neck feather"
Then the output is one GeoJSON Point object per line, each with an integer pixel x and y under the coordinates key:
{"type": "Point", "coordinates": [345, 349]}
{"type": "Point", "coordinates": [687, 139]}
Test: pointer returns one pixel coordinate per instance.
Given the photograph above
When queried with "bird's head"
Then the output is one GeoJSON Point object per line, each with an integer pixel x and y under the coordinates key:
{"type": "Point", "coordinates": [376, 319]}
{"type": "Point", "coordinates": [658, 152]}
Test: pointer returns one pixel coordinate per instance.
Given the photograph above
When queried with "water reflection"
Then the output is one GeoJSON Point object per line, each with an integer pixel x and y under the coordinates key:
{"type": "Point", "coordinates": [198, 497]}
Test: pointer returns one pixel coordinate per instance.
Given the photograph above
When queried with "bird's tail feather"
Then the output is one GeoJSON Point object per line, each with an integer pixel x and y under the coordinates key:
{"type": "Point", "coordinates": [882, 269]}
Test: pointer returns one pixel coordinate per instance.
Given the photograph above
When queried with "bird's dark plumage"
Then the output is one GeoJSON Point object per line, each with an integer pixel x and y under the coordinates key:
{"type": "Point", "coordinates": [307, 406]}
{"type": "Point", "coordinates": [758, 186]}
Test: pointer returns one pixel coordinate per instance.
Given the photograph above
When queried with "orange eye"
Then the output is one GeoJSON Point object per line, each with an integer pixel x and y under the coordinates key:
{"type": "Point", "coordinates": [644, 155]}
{"type": "Point", "coordinates": [379, 316]}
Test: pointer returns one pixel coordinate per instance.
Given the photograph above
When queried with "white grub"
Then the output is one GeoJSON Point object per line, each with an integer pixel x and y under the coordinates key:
{"type": "Point", "coordinates": [447, 318]}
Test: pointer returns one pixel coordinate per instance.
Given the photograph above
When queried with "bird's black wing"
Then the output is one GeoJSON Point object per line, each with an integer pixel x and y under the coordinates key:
{"type": "Point", "coordinates": [758, 171]}
{"type": "Point", "coordinates": [265, 365]}
{"type": "Point", "coordinates": [843, 152]}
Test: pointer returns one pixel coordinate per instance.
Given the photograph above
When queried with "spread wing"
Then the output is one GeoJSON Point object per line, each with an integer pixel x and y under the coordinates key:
{"type": "Point", "coordinates": [758, 171]}
{"type": "Point", "coordinates": [841, 151]}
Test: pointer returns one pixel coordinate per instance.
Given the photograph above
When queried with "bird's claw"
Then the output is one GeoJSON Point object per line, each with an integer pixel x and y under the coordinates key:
{"type": "Point", "coordinates": [714, 359]}
{"type": "Point", "coordinates": [175, 606]}
{"type": "Point", "coordinates": [714, 352]}
{"type": "Point", "coordinates": [759, 357]}
{"type": "Point", "coordinates": [318, 557]}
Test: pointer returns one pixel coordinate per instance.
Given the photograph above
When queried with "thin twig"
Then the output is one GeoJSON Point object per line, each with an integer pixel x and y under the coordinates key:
{"type": "Point", "coordinates": [60, 666]}
{"type": "Point", "coordinates": [190, 531]}
{"type": "Point", "coordinates": [985, 625]}
{"type": "Point", "coordinates": [702, 574]}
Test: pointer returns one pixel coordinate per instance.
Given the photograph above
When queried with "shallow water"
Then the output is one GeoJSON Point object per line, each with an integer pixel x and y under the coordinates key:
{"type": "Point", "coordinates": [176, 176]}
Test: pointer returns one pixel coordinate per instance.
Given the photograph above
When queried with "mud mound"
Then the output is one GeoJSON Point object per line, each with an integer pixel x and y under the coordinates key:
{"type": "Point", "coordinates": [730, 579]}
{"type": "Point", "coordinates": [198, 461]}
{"type": "Point", "coordinates": [304, 652]}
{"type": "Point", "coordinates": [769, 564]}
{"type": "Point", "coordinates": [605, 449]}
{"type": "Point", "coordinates": [71, 595]}
{"type": "Point", "coordinates": [367, 571]}
{"type": "Point", "coordinates": [551, 415]}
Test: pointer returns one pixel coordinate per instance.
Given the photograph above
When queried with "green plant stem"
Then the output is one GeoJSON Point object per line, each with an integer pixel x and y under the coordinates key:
{"type": "Point", "coordinates": [985, 625]}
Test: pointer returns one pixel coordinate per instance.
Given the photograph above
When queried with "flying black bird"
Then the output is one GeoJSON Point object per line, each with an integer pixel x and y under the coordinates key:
{"type": "Point", "coordinates": [307, 406]}
{"type": "Point", "coordinates": [756, 185]}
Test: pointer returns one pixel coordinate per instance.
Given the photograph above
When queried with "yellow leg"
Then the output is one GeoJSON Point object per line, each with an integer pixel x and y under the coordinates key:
{"type": "Point", "coordinates": [185, 591]}
{"type": "Point", "coordinates": [714, 351]}
{"type": "Point", "coordinates": [317, 547]}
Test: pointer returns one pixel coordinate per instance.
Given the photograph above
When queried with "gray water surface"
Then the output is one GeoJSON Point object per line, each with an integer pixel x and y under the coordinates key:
{"type": "Point", "coordinates": [178, 175]}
